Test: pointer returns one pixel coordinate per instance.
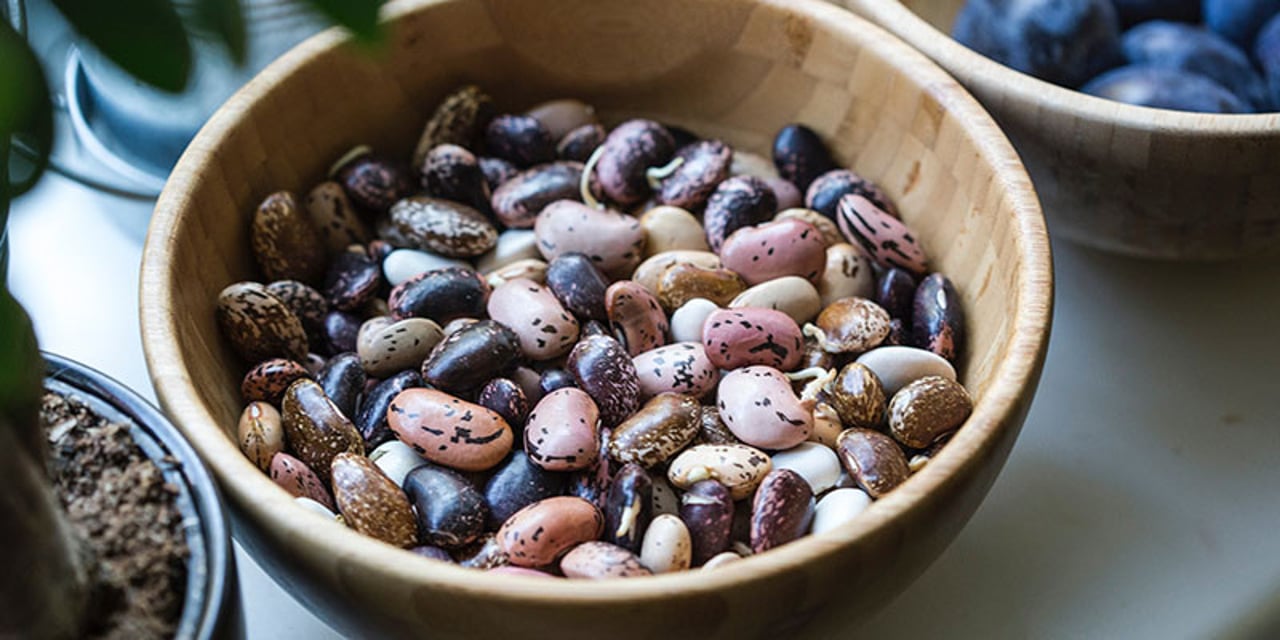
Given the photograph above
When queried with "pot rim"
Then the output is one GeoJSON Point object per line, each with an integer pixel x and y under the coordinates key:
{"type": "Point", "coordinates": [210, 565]}
{"type": "Point", "coordinates": [999, 411]}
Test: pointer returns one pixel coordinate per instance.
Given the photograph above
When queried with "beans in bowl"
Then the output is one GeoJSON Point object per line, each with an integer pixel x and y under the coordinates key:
{"type": "Point", "coordinates": [544, 347]}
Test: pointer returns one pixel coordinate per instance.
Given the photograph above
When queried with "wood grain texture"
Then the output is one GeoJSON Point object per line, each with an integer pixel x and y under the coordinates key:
{"type": "Point", "coordinates": [1133, 180]}
{"type": "Point", "coordinates": [728, 68]}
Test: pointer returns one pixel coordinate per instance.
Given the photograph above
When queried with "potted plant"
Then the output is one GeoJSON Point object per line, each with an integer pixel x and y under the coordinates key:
{"type": "Point", "coordinates": [103, 496]}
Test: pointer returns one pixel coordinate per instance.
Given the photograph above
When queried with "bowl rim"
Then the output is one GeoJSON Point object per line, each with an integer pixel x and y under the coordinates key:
{"type": "Point", "coordinates": [975, 69]}
{"type": "Point", "coordinates": [1012, 382]}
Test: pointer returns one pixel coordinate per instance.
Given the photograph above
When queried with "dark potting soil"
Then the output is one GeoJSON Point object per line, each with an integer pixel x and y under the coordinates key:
{"type": "Point", "coordinates": [120, 504]}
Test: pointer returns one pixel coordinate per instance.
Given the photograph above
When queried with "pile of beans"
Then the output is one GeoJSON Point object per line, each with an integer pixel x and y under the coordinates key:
{"type": "Point", "coordinates": [475, 358]}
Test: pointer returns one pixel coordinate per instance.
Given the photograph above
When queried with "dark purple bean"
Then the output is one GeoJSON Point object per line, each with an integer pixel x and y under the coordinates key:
{"type": "Point", "coordinates": [340, 331]}
{"type": "Point", "coordinates": [353, 280]}
{"type": "Point", "coordinates": [707, 510]}
{"type": "Point", "coordinates": [342, 379]}
{"type": "Point", "coordinates": [519, 139]}
{"type": "Point", "coordinates": [895, 293]}
{"type": "Point", "coordinates": [740, 201]}
{"type": "Point", "coordinates": [578, 285]}
{"type": "Point", "coordinates": [504, 397]}
{"type": "Point", "coordinates": [706, 165]}
{"type": "Point", "coordinates": [516, 484]}
{"type": "Point", "coordinates": [580, 143]}
{"type": "Point", "coordinates": [441, 295]}
{"type": "Point", "coordinates": [800, 155]}
{"type": "Point", "coordinates": [471, 356]}
{"type": "Point", "coordinates": [605, 371]}
{"type": "Point", "coordinates": [628, 507]}
{"type": "Point", "coordinates": [553, 379]}
{"type": "Point", "coordinates": [309, 305]}
{"type": "Point", "coordinates": [453, 173]}
{"type": "Point", "coordinates": [371, 419]}
{"type": "Point", "coordinates": [496, 171]}
{"type": "Point", "coordinates": [520, 199]}
{"type": "Point", "coordinates": [374, 183]}
{"type": "Point", "coordinates": [781, 511]}
{"type": "Point", "coordinates": [592, 484]}
{"type": "Point", "coordinates": [937, 320]}
{"type": "Point", "coordinates": [451, 511]}
{"type": "Point", "coordinates": [628, 152]}
{"type": "Point", "coordinates": [826, 190]}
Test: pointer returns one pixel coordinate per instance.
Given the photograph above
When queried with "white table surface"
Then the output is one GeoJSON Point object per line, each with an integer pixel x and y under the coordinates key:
{"type": "Point", "coordinates": [1142, 499]}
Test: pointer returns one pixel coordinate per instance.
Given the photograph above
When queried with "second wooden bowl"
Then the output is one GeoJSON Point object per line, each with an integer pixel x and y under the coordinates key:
{"type": "Point", "coordinates": [732, 69]}
{"type": "Point", "coordinates": [1134, 180]}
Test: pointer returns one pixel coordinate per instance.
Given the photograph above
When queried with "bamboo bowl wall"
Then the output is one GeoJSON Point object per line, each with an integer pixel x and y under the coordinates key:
{"type": "Point", "coordinates": [728, 68]}
{"type": "Point", "coordinates": [1134, 180]}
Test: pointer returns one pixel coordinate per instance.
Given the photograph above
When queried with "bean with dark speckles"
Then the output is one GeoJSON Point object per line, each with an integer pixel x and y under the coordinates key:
{"type": "Point", "coordinates": [507, 399]}
{"type": "Point", "coordinates": [521, 198]}
{"type": "Point", "coordinates": [315, 428]}
{"type": "Point", "coordinates": [604, 369]}
{"type": "Point", "coordinates": [441, 295]}
{"type": "Point", "coordinates": [374, 183]}
{"type": "Point", "coordinates": [738, 202]}
{"type": "Point", "coordinates": [268, 379]}
{"type": "Point", "coordinates": [371, 421]}
{"type": "Point", "coordinates": [873, 460]}
{"type": "Point", "coordinates": [781, 510]}
{"type": "Point", "coordinates": [627, 152]}
{"type": "Point", "coordinates": [580, 143]}
{"type": "Point", "coordinates": [579, 285]}
{"type": "Point", "coordinates": [824, 193]}
{"type": "Point", "coordinates": [707, 510]}
{"type": "Point", "coordinates": [352, 280]}
{"type": "Point", "coordinates": [452, 172]}
{"type": "Point", "coordinates": [705, 165]}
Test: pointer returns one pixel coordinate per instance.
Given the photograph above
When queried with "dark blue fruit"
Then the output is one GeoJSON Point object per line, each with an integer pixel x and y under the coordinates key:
{"type": "Point", "coordinates": [1239, 20]}
{"type": "Point", "coordinates": [1132, 12]}
{"type": "Point", "coordinates": [1183, 47]}
{"type": "Point", "coordinates": [1165, 89]}
{"type": "Point", "coordinates": [1065, 42]}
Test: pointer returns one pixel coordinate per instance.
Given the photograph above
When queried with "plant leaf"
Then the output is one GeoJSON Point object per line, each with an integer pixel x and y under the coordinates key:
{"type": "Point", "coordinates": [358, 16]}
{"type": "Point", "coordinates": [26, 114]}
{"type": "Point", "coordinates": [144, 37]}
{"type": "Point", "coordinates": [224, 18]}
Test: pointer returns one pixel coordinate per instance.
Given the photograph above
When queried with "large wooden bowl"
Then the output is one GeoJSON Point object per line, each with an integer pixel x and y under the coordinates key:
{"type": "Point", "coordinates": [1134, 180]}
{"type": "Point", "coordinates": [728, 68]}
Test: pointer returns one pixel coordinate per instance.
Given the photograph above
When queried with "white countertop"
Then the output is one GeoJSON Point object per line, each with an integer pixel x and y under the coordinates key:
{"type": "Point", "coordinates": [1141, 500]}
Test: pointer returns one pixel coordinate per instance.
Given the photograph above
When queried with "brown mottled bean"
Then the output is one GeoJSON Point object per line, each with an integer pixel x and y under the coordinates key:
{"type": "Point", "coordinates": [926, 409]}
{"type": "Point", "coordinates": [268, 379]}
{"type": "Point", "coordinates": [371, 503]}
{"type": "Point", "coordinates": [858, 397]}
{"type": "Point", "coordinates": [664, 426]}
{"type": "Point", "coordinates": [873, 460]}
{"type": "Point", "coordinates": [260, 433]}
{"type": "Point", "coordinates": [315, 427]}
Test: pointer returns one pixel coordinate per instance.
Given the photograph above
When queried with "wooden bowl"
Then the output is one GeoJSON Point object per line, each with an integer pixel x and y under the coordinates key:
{"type": "Point", "coordinates": [1134, 180]}
{"type": "Point", "coordinates": [733, 69]}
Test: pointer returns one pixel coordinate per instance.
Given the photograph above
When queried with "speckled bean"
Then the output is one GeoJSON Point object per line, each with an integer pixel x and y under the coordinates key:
{"type": "Point", "coordinates": [260, 433]}
{"type": "Point", "coordinates": [451, 172]}
{"type": "Point", "coordinates": [449, 431]}
{"type": "Point", "coordinates": [520, 139]}
{"type": "Point", "coordinates": [874, 461]}
{"type": "Point", "coordinates": [579, 285]}
{"type": "Point", "coordinates": [314, 427]}
{"type": "Point", "coordinates": [450, 510]}
{"type": "Point", "coordinates": [334, 218]}
{"type": "Point", "coordinates": [628, 151]}
{"type": "Point", "coordinates": [520, 199]}
{"type": "Point", "coordinates": [440, 295]}
{"type": "Point", "coordinates": [294, 476]}
{"type": "Point", "coordinates": [371, 181]}
{"type": "Point", "coordinates": [458, 119]}
{"type": "Point", "coordinates": [605, 371]}
{"type": "Point", "coordinates": [370, 502]}
{"type": "Point", "coordinates": [284, 241]}
{"type": "Point", "coordinates": [664, 426]}
{"type": "Point", "coordinates": [268, 379]}
{"type": "Point", "coordinates": [537, 534]}
{"type": "Point", "coordinates": [543, 327]}
{"type": "Point", "coordinates": [506, 398]}
{"type": "Point", "coordinates": [885, 238]}
{"type": "Point", "coordinates": [781, 510]}
{"type": "Point", "coordinates": [826, 226]}
{"type": "Point", "coordinates": [707, 510]}
{"type": "Point", "coordinates": [926, 409]}
{"type": "Point", "coordinates": [736, 338]}
{"type": "Point", "coordinates": [738, 202]}
{"type": "Point", "coordinates": [614, 241]}
{"type": "Point", "coordinates": [600, 561]}
{"type": "Point", "coordinates": [759, 407]}
{"type": "Point", "coordinates": [775, 249]}
{"type": "Point", "coordinates": [704, 165]}
{"type": "Point", "coordinates": [857, 396]}
{"type": "Point", "coordinates": [738, 467]}
{"type": "Point", "coordinates": [309, 305]}
{"type": "Point", "coordinates": [711, 428]}
{"type": "Point", "coordinates": [387, 350]}
{"type": "Point", "coordinates": [444, 227]}
{"type": "Point", "coordinates": [635, 315]}
{"type": "Point", "coordinates": [258, 325]}
{"type": "Point", "coordinates": [682, 367]}
{"type": "Point", "coordinates": [562, 432]}
{"type": "Point", "coordinates": [649, 273]}
{"type": "Point", "coordinates": [683, 282]}
{"type": "Point", "coordinates": [850, 325]}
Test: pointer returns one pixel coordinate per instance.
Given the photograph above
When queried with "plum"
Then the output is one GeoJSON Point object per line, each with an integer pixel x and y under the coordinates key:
{"type": "Point", "coordinates": [1173, 45]}
{"type": "Point", "coordinates": [1266, 50]}
{"type": "Point", "coordinates": [1165, 89]}
{"type": "Point", "coordinates": [1065, 42]}
{"type": "Point", "coordinates": [1239, 20]}
{"type": "Point", "coordinates": [1132, 12]}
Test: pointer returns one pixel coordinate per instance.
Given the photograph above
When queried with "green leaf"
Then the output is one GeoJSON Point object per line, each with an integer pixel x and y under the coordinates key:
{"type": "Point", "coordinates": [359, 16]}
{"type": "Point", "coordinates": [21, 367]}
{"type": "Point", "coordinates": [144, 37]}
{"type": "Point", "coordinates": [26, 114]}
{"type": "Point", "coordinates": [225, 19]}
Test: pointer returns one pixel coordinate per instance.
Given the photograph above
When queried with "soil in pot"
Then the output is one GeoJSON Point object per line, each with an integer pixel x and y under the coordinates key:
{"type": "Point", "coordinates": [120, 504]}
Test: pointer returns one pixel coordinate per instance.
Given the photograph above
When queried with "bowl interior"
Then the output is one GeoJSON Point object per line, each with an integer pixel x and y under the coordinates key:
{"type": "Point", "coordinates": [728, 69]}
